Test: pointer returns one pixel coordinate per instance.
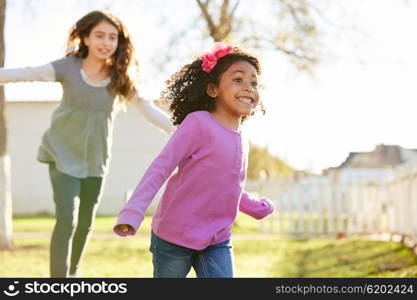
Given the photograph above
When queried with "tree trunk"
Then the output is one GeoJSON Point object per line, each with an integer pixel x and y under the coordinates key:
{"type": "Point", "coordinates": [5, 204]}
{"type": "Point", "coordinates": [5, 173]}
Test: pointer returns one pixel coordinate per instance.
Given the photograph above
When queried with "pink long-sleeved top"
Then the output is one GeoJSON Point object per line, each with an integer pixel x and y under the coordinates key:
{"type": "Point", "coordinates": [202, 199]}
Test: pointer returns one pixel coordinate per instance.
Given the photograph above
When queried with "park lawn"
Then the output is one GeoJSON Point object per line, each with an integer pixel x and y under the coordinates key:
{"type": "Point", "coordinates": [45, 223]}
{"type": "Point", "coordinates": [256, 254]}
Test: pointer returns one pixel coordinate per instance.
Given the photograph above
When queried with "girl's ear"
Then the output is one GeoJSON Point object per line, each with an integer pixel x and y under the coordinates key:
{"type": "Point", "coordinates": [86, 41]}
{"type": "Point", "coordinates": [211, 90]}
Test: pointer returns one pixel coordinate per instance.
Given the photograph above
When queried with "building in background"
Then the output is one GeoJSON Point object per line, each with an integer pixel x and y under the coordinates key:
{"type": "Point", "coordinates": [372, 165]}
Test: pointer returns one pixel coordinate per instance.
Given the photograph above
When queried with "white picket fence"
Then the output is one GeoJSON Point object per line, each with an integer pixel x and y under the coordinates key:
{"type": "Point", "coordinates": [385, 202]}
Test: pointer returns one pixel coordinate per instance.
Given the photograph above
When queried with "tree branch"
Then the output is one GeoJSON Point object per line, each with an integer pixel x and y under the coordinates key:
{"type": "Point", "coordinates": [207, 17]}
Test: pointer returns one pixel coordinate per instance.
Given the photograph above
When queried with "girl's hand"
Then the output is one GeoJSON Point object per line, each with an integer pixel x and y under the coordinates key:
{"type": "Point", "coordinates": [125, 227]}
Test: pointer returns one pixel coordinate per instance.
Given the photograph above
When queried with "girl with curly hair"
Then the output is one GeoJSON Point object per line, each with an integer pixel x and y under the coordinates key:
{"type": "Point", "coordinates": [192, 225]}
{"type": "Point", "coordinates": [96, 76]}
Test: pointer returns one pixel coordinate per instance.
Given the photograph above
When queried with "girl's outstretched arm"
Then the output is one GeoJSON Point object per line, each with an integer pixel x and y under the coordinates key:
{"type": "Point", "coordinates": [255, 208]}
{"type": "Point", "coordinates": [154, 115]}
{"type": "Point", "coordinates": [181, 146]}
{"type": "Point", "coordinates": [40, 73]}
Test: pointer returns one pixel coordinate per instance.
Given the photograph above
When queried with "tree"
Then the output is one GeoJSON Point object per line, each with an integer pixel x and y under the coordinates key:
{"type": "Point", "coordinates": [287, 27]}
{"type": "Point", "coordinates": [5, 173]}
{"type": "Point", "coordinates": [291, 29]}
{"type": "Point", "coordinates": [261, 161]}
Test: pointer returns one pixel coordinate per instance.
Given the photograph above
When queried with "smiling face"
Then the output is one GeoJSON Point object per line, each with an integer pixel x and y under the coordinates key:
{"type": "Point", "coordinates": [102, 41]}
{"type": "Point", "coordinates": [237, 92]}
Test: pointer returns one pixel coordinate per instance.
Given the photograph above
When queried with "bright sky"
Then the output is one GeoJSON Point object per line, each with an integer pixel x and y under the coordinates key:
{"type": "Point", "coordinates": [361, 94]}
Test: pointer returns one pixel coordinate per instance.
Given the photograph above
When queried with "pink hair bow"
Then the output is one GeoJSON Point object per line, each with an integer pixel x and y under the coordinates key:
{"type": "Point", "coordinates": [210, 59]}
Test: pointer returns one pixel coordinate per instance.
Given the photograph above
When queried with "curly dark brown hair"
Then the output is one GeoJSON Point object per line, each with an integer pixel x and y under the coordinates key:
{"type": "Point", "coordinates": [121, 82]}
{"type": "Point", "coordinates": [186, 90]}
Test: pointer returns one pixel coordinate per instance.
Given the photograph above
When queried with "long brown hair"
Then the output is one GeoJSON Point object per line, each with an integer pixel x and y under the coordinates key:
{"type": "Point", "coordinates": [123, 59]}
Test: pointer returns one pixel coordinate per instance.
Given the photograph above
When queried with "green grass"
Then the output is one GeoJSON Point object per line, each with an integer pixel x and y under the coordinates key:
{"type": "Point", "coordinates": [256, 255]}
{"type": "Point", "coordinates": [45, 223]}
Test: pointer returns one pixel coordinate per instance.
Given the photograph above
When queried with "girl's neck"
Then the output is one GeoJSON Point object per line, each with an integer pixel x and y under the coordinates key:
{"type": "Point", "coordinates": [95, 69]}
{"type": "Point", "coordinates": [227, 120]}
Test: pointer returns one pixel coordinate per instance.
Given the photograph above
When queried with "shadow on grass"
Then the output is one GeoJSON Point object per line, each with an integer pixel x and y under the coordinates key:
{"type": "Point", "coordinates": [15, 248]}
{"type": "Point", "coordinates": [352, 256]}
{"type": "Point", "coordinates": [40, 215]}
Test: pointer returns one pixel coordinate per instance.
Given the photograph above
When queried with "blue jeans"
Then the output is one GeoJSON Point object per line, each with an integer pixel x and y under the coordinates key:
{"type": "Point", "coordinates": [174, 261]}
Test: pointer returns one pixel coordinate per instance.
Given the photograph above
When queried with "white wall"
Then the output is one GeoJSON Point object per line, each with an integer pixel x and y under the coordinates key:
{"type": "Point", "coordinates": [135, 144]}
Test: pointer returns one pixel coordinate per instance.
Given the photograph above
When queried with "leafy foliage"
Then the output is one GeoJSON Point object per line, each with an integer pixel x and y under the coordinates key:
{"type": "Point", "coordinates": [263, 164]}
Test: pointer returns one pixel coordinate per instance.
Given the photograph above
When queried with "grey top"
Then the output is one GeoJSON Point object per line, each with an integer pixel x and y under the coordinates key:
{"type": "Point", "coordinates": [79, 138]}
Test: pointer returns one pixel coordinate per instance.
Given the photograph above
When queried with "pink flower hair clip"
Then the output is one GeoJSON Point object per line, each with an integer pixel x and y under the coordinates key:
{"type": "Point", "coordinates": [210, 59]}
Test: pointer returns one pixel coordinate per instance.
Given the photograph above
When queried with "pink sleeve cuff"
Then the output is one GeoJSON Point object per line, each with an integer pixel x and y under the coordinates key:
{"type": "Point", "coordinates": [269, 204]}
{"type": "Point", "coordinates": [268, 208]}
{"type": "Point", "coordinates": [256, 208]}
{"type": "Point", "coordinates": [130, 218]}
